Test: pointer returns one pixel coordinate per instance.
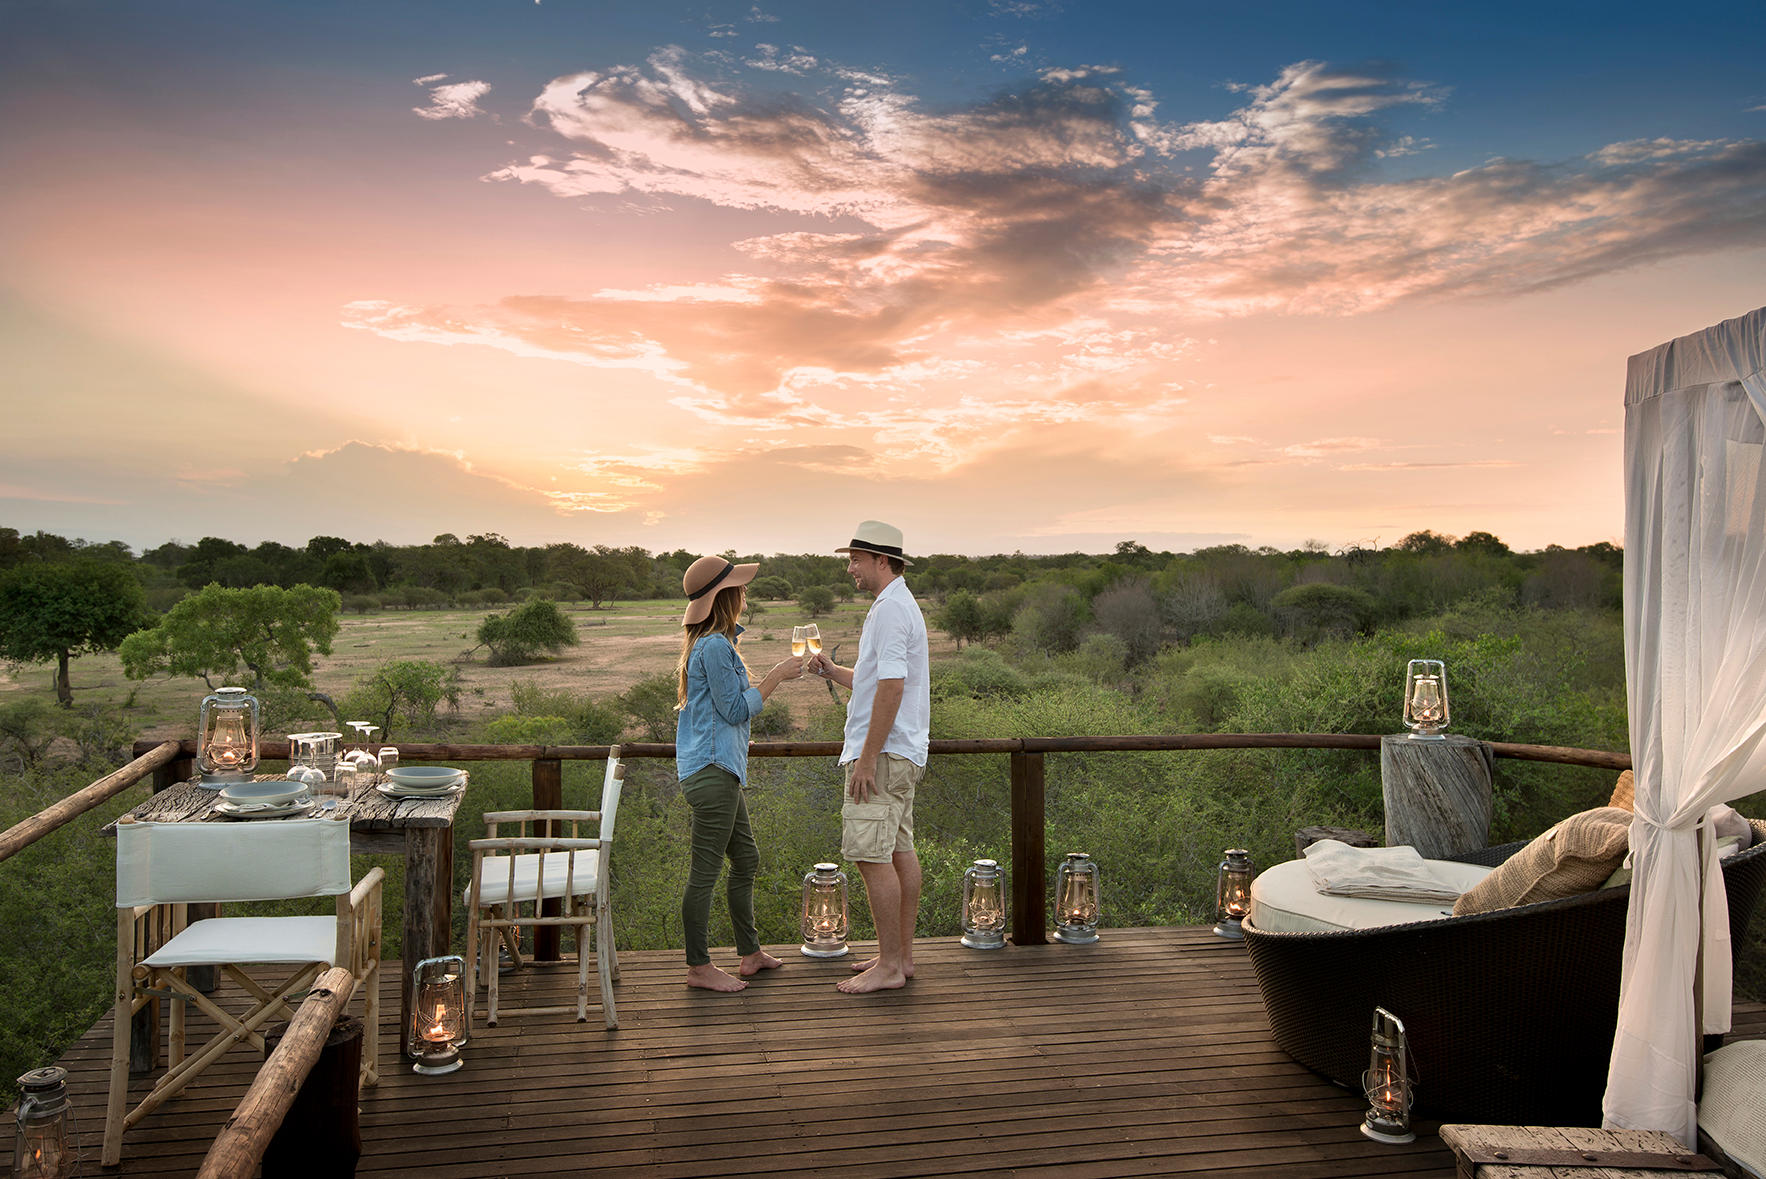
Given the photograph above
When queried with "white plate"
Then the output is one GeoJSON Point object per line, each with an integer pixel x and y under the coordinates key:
{"type": "Point", "coordinates": [274, 791]}
{"type": "Point", "coordinates": [394, 790]}
{"type": "Point", "coordinates": [282, 810]}
{"type": "Point", "coordinates": [425, 777]}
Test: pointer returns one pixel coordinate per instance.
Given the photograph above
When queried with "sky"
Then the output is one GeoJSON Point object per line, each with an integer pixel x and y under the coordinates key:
{"type": "Point", "coordinates": [1012, 275]}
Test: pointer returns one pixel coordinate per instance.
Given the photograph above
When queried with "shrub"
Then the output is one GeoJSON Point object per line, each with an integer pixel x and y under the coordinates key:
{"type": "Point", "coordinates": [774, 720]}
{"type": "Point", "coordinates": [521, 635]}
{"type": "Point", "coordinates": [531, 730]}
{"type": "Point", "coordinates": [29, 725]}
{"type": "Point", "coordinates": [360, 603]}
{"type": "Point", "coordinates": [590, 723]}
{"type": "Point", "coordinates": [977, 672]}
{"type": "Point", "coordinates": [651, 704]}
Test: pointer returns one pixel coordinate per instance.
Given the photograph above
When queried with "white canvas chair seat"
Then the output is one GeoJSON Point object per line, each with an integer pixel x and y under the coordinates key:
{"type": "Point", "coordinates": [527, 860]}
{"type": "Point", "coordinates": [549, 877]}
{"type": "Point", "coordinates": [162, 869]}
{"type": "Point", "coordinates": [250, 941]}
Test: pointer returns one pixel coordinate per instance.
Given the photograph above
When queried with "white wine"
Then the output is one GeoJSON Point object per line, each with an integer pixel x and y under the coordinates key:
{"type": "Point", "coordinates": [815, 645]}
{"type": "Point", "coordinates": [797, 648]}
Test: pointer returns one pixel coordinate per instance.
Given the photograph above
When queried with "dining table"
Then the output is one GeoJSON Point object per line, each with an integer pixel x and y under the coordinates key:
{"type": "Point", "coordinates": [421, 829]}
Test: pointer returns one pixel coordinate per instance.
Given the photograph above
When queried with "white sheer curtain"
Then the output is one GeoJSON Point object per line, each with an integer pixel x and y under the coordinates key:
{"type": "Point", "coordinates": [1695, 654]}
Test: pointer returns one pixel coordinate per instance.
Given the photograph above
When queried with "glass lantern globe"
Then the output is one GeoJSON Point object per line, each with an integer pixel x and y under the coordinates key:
{"type": "Point", "coordinates": [227, 729]}
{"type": "Point", "coordinates": [824, 912]}
{"type": "Point", "coordinates": [1232, 895]}
{"type": "Point", "coordinates": [1425, 699]}
{"type": "Point", "coordinates": [42, 1147]}
{"type": "Point", "coordinates": [1076, 900]}
{"type": "Point", "coordinates": [438, 1014]}
{"type": "Point", "coordinates": [984, 906]}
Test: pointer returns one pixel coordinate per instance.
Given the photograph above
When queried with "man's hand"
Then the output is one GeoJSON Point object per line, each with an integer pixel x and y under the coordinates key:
{"type": "Point", "coordinates": [864, 780]}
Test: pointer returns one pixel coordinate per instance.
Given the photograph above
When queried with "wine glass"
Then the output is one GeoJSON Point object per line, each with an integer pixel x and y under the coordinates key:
{"type": "Point", "coordinates": [812, 635]}
{"type": "Point", "coordinates": [798, 637]}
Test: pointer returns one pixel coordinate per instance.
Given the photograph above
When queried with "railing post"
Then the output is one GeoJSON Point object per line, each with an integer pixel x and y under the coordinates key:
{"type": "Point", "coordinates": [1029, 880]}
{"type": "Point", "coordinates": [548, 795]}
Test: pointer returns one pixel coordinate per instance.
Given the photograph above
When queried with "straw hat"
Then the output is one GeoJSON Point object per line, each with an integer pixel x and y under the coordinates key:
{"type": "Point", "coordinates": [874, 536]}
{"type": "Point", "coordinates": [704, 578]}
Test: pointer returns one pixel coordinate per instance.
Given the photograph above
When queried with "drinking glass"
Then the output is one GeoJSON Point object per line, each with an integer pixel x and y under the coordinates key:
{"type": "Point", "coordinates": [799, 635]}
{"type": "Point", "coordinates": [812, 634]}
{"type": "Point", "coordinates": [389, 757]}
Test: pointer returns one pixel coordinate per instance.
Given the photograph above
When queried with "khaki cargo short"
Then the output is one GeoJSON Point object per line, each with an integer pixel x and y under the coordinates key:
{"type": "Point", "coordinates": [872, 832]}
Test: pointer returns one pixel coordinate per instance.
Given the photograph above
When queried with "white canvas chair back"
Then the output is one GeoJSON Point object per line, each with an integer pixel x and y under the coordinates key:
{"type": "Point", "coordinates": [515, 870]}
{"type": "Point", "coordinates": [166, 863]}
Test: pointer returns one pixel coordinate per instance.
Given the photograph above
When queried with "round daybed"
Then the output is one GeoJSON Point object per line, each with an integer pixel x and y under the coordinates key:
{"type": "Point", "coordinates": [1509, 1014]}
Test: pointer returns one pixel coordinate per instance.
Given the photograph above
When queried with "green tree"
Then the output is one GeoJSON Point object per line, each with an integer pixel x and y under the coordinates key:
{"type": "Point", "coordinates": [773, 589]}
{"type": "Point", "coordinates": [1319, 609]}
{"type": "Point", "coordinates": [816, 600]}
{"type": "Point", "coordinates": [521, 635]}
{"type": "Point", "coordinates": [962, 617]}
{"type": "Point", "coordinates": [405, 691]}
{"type": "Point", "coordinates": [60, 611]}
{"type": "Point", "coordinates": [270, 632]}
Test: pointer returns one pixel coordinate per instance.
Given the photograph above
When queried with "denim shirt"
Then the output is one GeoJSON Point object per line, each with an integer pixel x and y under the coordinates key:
{"type": "Point", "coordinates": [712, 729]}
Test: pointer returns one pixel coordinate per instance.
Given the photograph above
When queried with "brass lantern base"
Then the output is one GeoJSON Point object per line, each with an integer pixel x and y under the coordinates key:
{"type": "Point", "coordinates": [435, 1062]}
{"type": "Point", "coordinates": [1381, 1128]}
{"type": "Point", "coordinates": [1076, 935]}
{"type": "Point", "coordinates": [1231, 927]}
{"type": "Point", "coordinates": [985, 939]}
{"type": "Point", "coordinates": [818, 950]}
{"type": "Point", "coordinates": [215, 779]}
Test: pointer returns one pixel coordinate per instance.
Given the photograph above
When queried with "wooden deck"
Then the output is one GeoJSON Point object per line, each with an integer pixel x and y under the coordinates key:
{"type": "Point", "coordinates": [1146, 1054]}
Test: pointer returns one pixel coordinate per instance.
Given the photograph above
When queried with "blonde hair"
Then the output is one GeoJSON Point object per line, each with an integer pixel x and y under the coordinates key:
{"type": "Point", "coordinates": [726, 608]}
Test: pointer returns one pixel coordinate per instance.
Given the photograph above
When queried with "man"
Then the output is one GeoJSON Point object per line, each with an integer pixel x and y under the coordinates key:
{"type": "Point", "coordinates": [888, 728]}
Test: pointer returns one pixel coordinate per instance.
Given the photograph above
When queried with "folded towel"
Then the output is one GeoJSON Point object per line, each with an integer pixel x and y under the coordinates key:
{"type": "Point", "coordinates": [1386, 873]}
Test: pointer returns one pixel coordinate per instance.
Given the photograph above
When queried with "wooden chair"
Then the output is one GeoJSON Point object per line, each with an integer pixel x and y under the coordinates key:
{"type": "Point", "coordinates": [163, 868]}
{"type": "Point", "coordinates": [526, 859]}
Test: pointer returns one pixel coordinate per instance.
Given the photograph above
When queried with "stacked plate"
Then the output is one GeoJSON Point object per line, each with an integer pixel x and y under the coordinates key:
{"type": "Point", "coordinates": [264, 800]}
{"type": "Point", "coordinates": [421, 781]}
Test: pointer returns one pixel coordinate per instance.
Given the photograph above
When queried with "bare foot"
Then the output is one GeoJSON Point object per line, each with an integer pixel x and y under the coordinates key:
{"type": "Point", "coordinates": [710, 978]}
{"type": "Point", "coordinates": [907, 970]}
{"type": "Point", "coordinates": [878, 978]}
{"type": "Point", "coordinates": [753, 964]}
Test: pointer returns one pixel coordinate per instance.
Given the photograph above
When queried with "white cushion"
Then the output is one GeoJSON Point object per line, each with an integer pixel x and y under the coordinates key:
{"type": "Point", "coordinates": [250, 941]}
{"type": "Point", "coordinates": [1284, 899]}
{"type": "Point", "coordinates": [528, 885]}
{"type": "Point", "coordinates": [1730, 1104]}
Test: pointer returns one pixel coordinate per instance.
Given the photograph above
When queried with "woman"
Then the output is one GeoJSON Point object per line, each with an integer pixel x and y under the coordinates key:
{"type": "Point", "coordinates": [716, 702]}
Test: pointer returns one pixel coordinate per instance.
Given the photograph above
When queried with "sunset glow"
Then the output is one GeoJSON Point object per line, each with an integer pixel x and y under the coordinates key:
{"type": "Point", "coordinates": [1019, 274]}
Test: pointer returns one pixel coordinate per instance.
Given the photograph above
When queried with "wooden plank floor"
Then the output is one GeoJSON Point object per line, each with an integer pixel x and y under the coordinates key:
{"type": "Point", "coordinates": [1146, 1054]}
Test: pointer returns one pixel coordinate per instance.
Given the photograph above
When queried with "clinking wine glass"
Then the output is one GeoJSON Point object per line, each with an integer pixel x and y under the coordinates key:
{"type": "Point", "coordinates": [798, 639]}
{"type": "Point", "coordinates": [812, 635]}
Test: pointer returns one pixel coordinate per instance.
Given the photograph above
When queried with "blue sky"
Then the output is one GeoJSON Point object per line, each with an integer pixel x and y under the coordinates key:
{"type": "Point", "coordinates": [1022, 275]}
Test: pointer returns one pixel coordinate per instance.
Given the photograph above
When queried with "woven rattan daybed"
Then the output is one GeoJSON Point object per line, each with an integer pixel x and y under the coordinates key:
{"type": "Point", "coordinates": [1510, 1014]}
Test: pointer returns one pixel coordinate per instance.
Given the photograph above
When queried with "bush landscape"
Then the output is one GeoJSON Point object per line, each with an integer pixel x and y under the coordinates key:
{"type": "Point", "coordinates": [1222, 640]}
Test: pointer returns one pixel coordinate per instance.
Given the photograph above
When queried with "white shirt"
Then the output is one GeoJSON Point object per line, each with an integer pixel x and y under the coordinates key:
{"type": "Point", "coordinates": [892, 646]}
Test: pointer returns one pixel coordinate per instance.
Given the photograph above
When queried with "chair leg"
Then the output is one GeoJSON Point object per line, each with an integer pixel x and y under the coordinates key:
{"type": "Point", "coordinates": [604, 960]}
{"type": "Point", "coordinates": [371, 1026]}
{"type": "Point", "coordinates": [582, 973]}
{"type": "Point", "coordinates": [604, 939]}
{"type": "Point", "coordinates": [118, 1103]}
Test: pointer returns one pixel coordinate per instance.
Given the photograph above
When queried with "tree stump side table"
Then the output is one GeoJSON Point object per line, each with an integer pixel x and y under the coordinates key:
{"type": "Point", "coordinates": [1437, 794]}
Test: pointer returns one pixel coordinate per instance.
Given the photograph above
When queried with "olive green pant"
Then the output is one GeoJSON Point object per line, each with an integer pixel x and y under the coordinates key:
{"type": "Point", "coordinates": [720, 830]}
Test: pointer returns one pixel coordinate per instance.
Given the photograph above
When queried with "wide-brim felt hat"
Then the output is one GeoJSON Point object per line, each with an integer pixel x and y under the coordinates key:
{"type": "Point", "coordinates": [874, 536]}
{"type": "Point", "coordinates": [704, 578]}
